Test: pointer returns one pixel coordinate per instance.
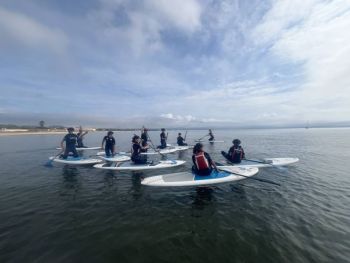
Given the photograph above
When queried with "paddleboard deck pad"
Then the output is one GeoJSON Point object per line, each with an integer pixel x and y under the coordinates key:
{"type": "Point", "coordinates": [116, 158]}
{"type": "Point", "coordinates": [230, 174]}
{"type": "Point", "coordinates": [130, 166]}
{"type": "Point", "coordinates": [76, 160]}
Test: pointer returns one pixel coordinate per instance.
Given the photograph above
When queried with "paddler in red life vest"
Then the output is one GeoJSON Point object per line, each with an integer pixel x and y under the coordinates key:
{"type": "Point", "coordinates": [202, 163]}
{"type": "Point", "coordinates": [235, 153]}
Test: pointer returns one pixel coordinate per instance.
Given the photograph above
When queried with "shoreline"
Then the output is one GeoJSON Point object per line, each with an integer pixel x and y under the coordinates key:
{"type": "Point", "coordinates": [17, 133]}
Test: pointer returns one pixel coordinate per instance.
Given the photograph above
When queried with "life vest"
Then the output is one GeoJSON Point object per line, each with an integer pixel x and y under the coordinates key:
{"type": "Point", "coordinates": [201, 161]}
{"type": "Point", "coordinates": [237, 154]}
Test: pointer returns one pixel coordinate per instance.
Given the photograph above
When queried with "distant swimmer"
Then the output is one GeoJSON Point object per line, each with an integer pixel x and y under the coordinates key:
{"type": "Point", "coordinates": [211, 135]}
{"type": "Point", "coordinates": [202, 163]}
{"type": "Point", "coordinates": [181, 140]}
{"type": "Point", "coordinates": [110, 144]}
{"type": "Point", "coordinates": [163, 138]}
{"type": "Point", "coordinates": [235, 153]}
{"type": "Point", "coordinates": [80, 138]}
{"type": "Point", "coordinates": [71, 141]}
{"type": "Point", "coordinates": [137, 149]}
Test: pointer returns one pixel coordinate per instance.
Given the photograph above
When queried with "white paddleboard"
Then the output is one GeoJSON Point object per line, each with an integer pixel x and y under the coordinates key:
{"type": "Point", "coordinates": [83, 148]}
{"type": "Point", "coordinates": [161, 151]}
{"type": "Point", "coordinates": [182, 148]}
{"type": "Point", "coordinates": [76, 160]}
{"type": "Point", "coordinates": [190, 179]}
{"type": "Point", "coordinates": [208, 141]}
{"type": "Point", "coordinates": [130, 166]}
{"type": "Point", "coordinates": [267, 162]}
{"type": "Point", "coordinates": [116, 158]}
{"type": "Point", "coordinates": [103, 153]}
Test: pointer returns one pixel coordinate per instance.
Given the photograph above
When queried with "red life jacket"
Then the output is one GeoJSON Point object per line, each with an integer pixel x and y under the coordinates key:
{"type": "Point", "coordinates": [201, 161]}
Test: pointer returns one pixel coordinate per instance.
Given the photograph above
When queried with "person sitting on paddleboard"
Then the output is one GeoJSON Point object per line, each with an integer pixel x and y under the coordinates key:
{"type": "Point", "coordinates": [71, 141]}
{"type": "Point", "coordinates": [110, 144]}
{"type": "Point", "coordinates": [136, 151]}
{"type": "Point", "coordinates": [144, 135]}
{"type": "Point", "coordinates": [235, 153]}
{"type": "Point", "coordinates": [163, 138]}
{"type": "Point", "coordinates": [202, 163]}
{"type": "Point", "coordinates": [211, 135]}
{"type": "Point", "coordinates": [80, 138]}
{"type": "Point", "coordinates": [180, 140]}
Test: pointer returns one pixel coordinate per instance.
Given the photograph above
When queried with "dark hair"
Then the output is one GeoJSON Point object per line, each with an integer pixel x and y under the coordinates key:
{"type": "Point", "coordinates": [162, 129]}
{"type": "Point", "coordinates": [109, 133]}
{"type": "Point", "coordinates": [70, 129]}
{"type": "Point", "coordinates": [136, 137]}
{"type": "Point", "coordinates": [179, 133]}
{"type": "Point", "coordinates": [197, 148]}
{"type": "Point", "coordinates": [236, 142]}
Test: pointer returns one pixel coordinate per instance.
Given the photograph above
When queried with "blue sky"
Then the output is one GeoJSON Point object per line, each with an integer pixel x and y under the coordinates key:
{"type": "Point", "coordinates": [174, 63]}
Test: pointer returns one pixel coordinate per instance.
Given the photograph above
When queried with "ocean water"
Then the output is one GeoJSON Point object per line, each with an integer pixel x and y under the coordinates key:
{"type": "Point", "coordinates": [81, 214]}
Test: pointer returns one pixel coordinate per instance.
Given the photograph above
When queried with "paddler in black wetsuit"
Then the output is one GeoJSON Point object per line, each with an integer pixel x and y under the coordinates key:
{"type": "Point", "coordinates": [136, 150]}
{"type": "Point", "coordinates": [235, 153]}
{"type": "Point", "coordinates": [180, 140]}
{"type": "Point", "coordinates": [144, 135]}
{"type": "Point", "coordinates": [163, 138]}
{"type": "Point", "coordinates": [80, 138]}
{"type": "Point", "coordinates": [71, 140]}
{"type": "Point", "coordinates": [110, 144]}
{"type": "Point", "coordinates": [211, 135]}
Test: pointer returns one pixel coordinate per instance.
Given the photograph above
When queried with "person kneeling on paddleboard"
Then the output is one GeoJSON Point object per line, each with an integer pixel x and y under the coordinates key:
{"type": "Point", "coordinates": [71, 141]}
{"type": "Point", "coordinates": [202, 163]}
{"type": "Point", "coordinates": [110, 144]}
{"type": "Point", "coordinates": [80, 138]}
{"type": "Point", "coordinates": [235, 153]}
{"type": "Point", "coordinates": [163, 138]}
{"type": "Point", "coordinates": [211, 135]}
{"type": "Point", "coordinates": [136, 151]}
{"type": "Point", "coordinates": [180, 140]}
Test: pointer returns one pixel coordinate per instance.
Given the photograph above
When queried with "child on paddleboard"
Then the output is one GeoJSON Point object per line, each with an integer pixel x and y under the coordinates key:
{"type": "Point", "coordinates": [110, 144]}
{"type": "Point", "coordinates": [181, 140]}
{"type": "Point", "coordinates": [202, 163]}
{"type": "Point", "coordinates": [211, 135]}
{"type": "Point", "coordinates": [71, 141]}
{"type": "Point", "coordinates": [235, 153]}
{"type": "Point", "coordinates": [80, 138]}
{"type": "Point", "coordinates": [137, 149]}
{"type": "Point", "coordinates": [163, 138]}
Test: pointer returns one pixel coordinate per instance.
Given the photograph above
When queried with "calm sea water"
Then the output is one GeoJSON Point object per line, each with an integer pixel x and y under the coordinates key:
{"type": "Point", "coordinates": [81, 214]}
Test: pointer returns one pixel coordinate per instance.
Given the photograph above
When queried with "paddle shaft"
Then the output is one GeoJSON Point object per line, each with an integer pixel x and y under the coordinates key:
{"type": "Point", "coordinates": [253, 178]}
{"type": "Point", "coordinates": [153, 147]}
{"type": "Point", "coordinates": [254, 161]}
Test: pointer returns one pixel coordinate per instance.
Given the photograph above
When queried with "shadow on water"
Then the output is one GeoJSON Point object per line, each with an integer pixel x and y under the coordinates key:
{"type": "Point", "coordinates": [202, 197]}
{"type": "Point", "coordinates": [70, 180]}
{"type": "Point", "coordinates": [136, 188]}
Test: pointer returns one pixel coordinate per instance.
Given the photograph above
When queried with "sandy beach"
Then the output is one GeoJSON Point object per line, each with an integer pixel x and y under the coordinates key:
{"type": "Point", "coordinates": [15, 133]}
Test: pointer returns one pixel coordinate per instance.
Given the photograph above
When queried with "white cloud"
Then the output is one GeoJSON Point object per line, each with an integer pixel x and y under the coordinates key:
{"type": "Point", "coordinates": [19, 29]}
{"type": "Point", "coordinates": [186, 118]}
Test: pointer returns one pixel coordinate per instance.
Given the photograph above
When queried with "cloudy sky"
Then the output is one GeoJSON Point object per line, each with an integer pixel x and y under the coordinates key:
{"type": "Point", "coordinates": [164, 62]}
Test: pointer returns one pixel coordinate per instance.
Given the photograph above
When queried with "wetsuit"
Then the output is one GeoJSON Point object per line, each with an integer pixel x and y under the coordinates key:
{"type": "Point", "coordinates": [235, 154]}
{"type": "Point", "coordinates": [211, 136]}
{"type": "Point", "coordinates": [180, 141]}
{"type": "Point", "coordinates": [203, 160]}
{"type": "Point", "coordinates": [136, 156]}
{"type": "Point", "coordinates": [110, 142]}
{"type": "Point", "coordinates": [80, 143]}
{"type": "Point", "coordinates": [71, 140]}
{"type": "Point", "coordinates": [162, 141]}
{"type": "Point", "coordinates": [144, 137]}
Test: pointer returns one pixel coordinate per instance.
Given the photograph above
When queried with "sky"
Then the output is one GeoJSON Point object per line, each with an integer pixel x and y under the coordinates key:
{"type": "Point", "coordinates": [119, 63]}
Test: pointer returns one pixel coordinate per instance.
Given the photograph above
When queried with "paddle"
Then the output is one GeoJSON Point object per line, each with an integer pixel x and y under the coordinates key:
{"type": "Point", "coordinates": [49, 162]}
{"type": "Point", "coordinates": [202, 137]}
{"type": "Point", "coordinates": [185, 136]}
{"type": "Point", "coordinates": [257, 179]}
{"type": "Point", "coordinates": [158, 151]}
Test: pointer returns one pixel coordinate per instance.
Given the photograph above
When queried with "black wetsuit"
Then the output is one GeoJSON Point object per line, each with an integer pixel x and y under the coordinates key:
{"type": "Point", "coordinates": [202, 171]}
{"type": "Point", "coordinates": [136, 156]}
{"type": "Point", "coordinates": [144, 137]}
{"type": "Point", "coordinates": [235, 154]}
{"type": "Point", "coordinates": [180, 141]}
{"type": "Point", "coordinates": [80, 143]}
{"type": "Point", "coordinates": [211, 136]}
{"type": "Point", "coordinates": [162, 141]}
{"type": "Point", "coordinates": [71, 141]}
{"type": "Point", "coordinates": [110, 142]}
